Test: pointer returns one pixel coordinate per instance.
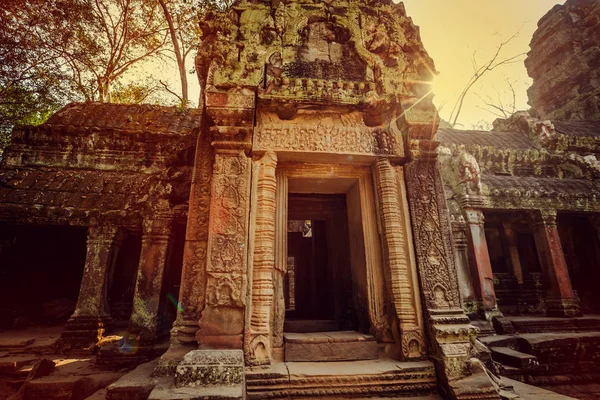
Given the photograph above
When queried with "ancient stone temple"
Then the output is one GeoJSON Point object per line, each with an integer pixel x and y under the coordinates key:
{"type": "Point", "coordinates": [303, 234]}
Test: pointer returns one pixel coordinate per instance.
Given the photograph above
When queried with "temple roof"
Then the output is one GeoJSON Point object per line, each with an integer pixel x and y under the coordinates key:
{"type": "Point", "coordinates": [504, 140]}
{"type": "Point", "coordinates": [577, 128]}
{"type": "Point", "coordinates": [73, 188]}
{"type": "Point", "coordinates": [536, 186]}
{"type": "Point", "coordinates": [128, 117]}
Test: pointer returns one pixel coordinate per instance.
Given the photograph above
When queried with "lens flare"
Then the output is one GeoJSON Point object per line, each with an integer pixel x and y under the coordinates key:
{"type": "Point", "coordinates": [129, 344]}
{"type": "Point", "coordinates": [174, 301]}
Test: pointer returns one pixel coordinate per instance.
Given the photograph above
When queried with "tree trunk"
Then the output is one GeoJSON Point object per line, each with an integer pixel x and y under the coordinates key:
{"type": "Point", "coordinates": [178, 55]}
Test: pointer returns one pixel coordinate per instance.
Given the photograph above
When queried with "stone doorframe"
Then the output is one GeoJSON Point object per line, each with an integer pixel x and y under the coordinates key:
{"type": "Point", "coordinates": [377, 215]}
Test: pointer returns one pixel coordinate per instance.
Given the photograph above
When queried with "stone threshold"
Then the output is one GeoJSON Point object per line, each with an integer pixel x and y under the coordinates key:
{"type": "Point", "coordinates": [363, 379]}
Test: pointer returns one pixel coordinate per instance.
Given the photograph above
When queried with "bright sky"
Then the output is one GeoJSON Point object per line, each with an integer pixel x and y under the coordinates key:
{"type": "Point", "coordinates": [454, 31]}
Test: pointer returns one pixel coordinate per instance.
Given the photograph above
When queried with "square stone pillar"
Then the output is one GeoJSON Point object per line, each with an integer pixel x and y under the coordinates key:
{"type": "Point", "coordinates": [451, 333]}
{"type": "Point", "coordinates": [222, 320]}
{"type": "Point", "coordinates": [467, 293]}
{"type": "Point", "coordinates": [146, 298]}
{"type": "Point", "coordinates": [92, 317]}
{"type": "Point", "coordinates": [482, 276]}
{"type": "Point", "coordinates": [192, 288]}
{"type": "Point", "coordinates": [561, 300]}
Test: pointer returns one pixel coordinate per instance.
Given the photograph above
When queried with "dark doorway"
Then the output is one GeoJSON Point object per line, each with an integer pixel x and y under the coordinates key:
{"type": "Point", "coordinates": [318, 283]}
{"type": "Point", "coordinates": [40, 273]}
{"type": "Point", "coordinates": [515, 264]}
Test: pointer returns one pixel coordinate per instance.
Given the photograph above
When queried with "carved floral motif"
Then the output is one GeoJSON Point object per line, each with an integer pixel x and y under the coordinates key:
{"type": "Point", "coordinates": [227, 249]}
{"type": "Point", "coordinates": [431, 232]}
{"type": "Point", "coordinates": [331, 139]}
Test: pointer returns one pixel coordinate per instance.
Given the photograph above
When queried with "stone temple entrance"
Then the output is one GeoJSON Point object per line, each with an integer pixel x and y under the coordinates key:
{"type": "Point", "coordinates": [318, 284]}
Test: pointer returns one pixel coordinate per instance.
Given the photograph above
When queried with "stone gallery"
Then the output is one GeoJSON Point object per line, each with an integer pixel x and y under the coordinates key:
{"type": "Point", "coordinates": [309, 231]}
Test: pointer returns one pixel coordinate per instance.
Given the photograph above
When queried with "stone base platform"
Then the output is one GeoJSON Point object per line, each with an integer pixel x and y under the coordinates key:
{"type": "Point", "coordinates": [539, 324]}
{"type": "Point", "coordinates": [310, 325]}
{"type": "Point", "coordinates": [329, 346]}
{"type": "Point", "coordinates": [548, 359]}
{"type": "Point", "coordinates": [382, 378]}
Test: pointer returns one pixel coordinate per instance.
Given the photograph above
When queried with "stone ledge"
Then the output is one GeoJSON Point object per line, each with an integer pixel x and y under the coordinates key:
{"type": "Point", "coordinates": [210, 367]}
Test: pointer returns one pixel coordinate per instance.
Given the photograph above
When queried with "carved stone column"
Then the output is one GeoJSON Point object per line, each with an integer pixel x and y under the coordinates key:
{"type": "Point", "coordinates": [258, 325]}
{"type": "Point", "coordinates": [92, 316]}
{"type": "Point", "coordinates": [401, 280]}
{"type": "Point", "coordinates": [193, 274]}
{"type": "Point", "coordinates": [482, 276]}
{"type": "Point", "coordinates": [561, 300]}
{"type": "Point", "coordinates": [452, 334]}
{"type": "Point", "coordinates": [146, 298]}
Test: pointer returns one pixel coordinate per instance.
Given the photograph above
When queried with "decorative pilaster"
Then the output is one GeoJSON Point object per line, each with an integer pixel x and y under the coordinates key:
{"type": "Point", "coordinates": [451, 334]}
{"type": "Point", "coordinates": [561, 300]}
{"type": "Point", "coordinates": [281, 261]}
{"type": "Point", "coordinates": [258, 325]}
{"type": "Point", "coordinates": [192, 291]}
{"type": "Point", "coordinates": [153, 259]}
{"type": "Point", "coordinates": [482, 276]}
{"type": "Point", "coordinates": [223, 318]}
{"type": "Point", "coordinates": [402, 284]}
{"type": "Point", "coordinates": [92, 316]}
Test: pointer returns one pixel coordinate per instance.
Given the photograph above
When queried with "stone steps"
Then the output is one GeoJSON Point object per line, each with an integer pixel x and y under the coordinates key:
{"type": "Point", "coordinates": [382, 378]}
{"type": "Point", "coordinates": [514, 358]}
{"type": "Point", "coordinates": [329, 346]}
{"type": "Point", "coordinates": [549, 358]}
{"type": "Point", "coordinates": [510, 325]}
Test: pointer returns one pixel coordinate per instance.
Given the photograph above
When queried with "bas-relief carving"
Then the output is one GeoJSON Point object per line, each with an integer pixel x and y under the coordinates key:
{"type": "Point", "coordinates": [460, 170]}
{"type": "Point", "coordinates": [431, 234]}
{"type": "Point", "coordinates": [327, 133]}
{"type": "Point", "coordinates": [228, 222]}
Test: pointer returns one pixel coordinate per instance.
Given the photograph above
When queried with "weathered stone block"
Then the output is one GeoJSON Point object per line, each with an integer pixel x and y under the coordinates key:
{"type": "Point", "coordinates": [210, 367]}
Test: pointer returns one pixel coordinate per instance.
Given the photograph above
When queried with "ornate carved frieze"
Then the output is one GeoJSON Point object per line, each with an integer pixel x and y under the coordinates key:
{"type": "Point", "coordinates": [328, 133]}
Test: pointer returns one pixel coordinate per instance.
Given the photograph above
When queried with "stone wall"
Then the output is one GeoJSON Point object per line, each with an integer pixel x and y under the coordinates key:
{"type": "Point", "coordinates": [564, 62]}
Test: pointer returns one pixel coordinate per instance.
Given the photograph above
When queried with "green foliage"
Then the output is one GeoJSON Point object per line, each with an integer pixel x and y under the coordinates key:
{"type": "Point", "coordinates": [60, 51]}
